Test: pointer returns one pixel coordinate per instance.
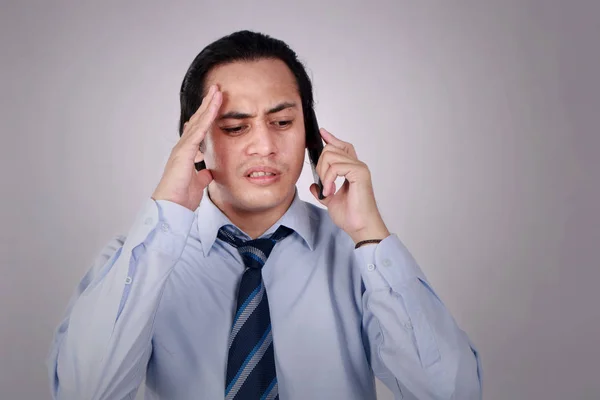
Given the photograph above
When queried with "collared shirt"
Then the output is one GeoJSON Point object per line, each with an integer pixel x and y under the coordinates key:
{"type": "Point", "coordinates": [159, 302]}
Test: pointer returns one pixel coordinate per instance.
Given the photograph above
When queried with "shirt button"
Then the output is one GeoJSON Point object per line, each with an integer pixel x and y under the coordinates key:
{"type": "Point", "coordinates": [370, 267]}
{"type": "Point", "coordinates": [148, 221]}
{"type": "Point", "coordinates": [387, 262]}
{"type": "Point", "coordinates": [164, 227]}
{"type": "Point", "coordinates": [128, 280]}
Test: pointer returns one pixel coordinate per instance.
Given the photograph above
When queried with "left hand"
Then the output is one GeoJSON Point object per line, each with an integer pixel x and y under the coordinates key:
{"type": "Point", "coordinates": [353, 207]}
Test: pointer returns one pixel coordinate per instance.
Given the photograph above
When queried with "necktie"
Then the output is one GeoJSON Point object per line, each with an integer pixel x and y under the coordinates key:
{"type": "Point", "coordinates": [251, 361]}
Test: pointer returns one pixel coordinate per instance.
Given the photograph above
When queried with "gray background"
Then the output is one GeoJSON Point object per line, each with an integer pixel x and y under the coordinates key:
{"type": "Point", "coordinates": [479, 121]}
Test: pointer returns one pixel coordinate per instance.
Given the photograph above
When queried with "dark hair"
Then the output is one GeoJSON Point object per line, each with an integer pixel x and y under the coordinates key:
{"type": "Point", "coordinates": [241, 46]}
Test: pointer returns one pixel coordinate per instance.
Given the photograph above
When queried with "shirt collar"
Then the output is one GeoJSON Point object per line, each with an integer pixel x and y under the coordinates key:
{"type": "Point", "coordinates": [297, 217]}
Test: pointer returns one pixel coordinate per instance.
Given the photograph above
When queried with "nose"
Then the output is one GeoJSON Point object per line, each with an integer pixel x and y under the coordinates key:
{"type": "Point", "coordinates": [262, 141]}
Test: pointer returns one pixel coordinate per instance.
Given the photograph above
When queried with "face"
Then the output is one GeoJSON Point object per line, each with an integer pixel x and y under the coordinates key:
{"type": "Point", "coordinates": [255, 149]}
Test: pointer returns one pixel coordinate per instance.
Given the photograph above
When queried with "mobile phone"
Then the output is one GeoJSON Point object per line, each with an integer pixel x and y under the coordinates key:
{"type": "Point", "coordinates": [314, 145]}
{"type": "Point", "coordinates": [200, 165]}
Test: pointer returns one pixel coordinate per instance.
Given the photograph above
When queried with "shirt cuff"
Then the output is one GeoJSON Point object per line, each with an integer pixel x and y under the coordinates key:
{"type": "Point", "coordinates": [387, 264]}
{"type": "Point", "coordinates": [162, 226]}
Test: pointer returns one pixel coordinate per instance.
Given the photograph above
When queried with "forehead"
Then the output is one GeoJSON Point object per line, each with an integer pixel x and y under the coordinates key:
{"type": "Point", "coordinates": [253, 84]}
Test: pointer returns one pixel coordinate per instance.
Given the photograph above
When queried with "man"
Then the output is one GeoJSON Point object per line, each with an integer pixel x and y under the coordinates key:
{"type": "Point", "coordinates": [230, 286]}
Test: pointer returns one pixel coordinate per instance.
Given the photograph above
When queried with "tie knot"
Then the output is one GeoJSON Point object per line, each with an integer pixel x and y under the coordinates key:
{"type": "Point", "coordinates": [255, 252]}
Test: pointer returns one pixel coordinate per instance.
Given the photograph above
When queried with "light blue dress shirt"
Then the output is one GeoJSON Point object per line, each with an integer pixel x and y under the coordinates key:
{"type": "Point", "coordinates": [159, 303]}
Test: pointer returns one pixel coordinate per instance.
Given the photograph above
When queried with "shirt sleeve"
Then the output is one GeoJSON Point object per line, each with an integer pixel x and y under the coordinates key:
{"type": "Point", "coordinates": [102, 347]}
{"type": "Point", "coordinates": [414, 344]}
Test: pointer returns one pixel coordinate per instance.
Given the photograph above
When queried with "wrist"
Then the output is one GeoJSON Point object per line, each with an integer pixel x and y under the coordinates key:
{"type": "Point", "coordinates": [367, 242]}
{"type": "Point", "coordinates": [156, 196]}
{"type": "Point", "coordinates": [378, 232]}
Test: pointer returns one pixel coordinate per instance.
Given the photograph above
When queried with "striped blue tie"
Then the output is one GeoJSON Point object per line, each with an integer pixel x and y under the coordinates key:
{"type": "Point", "coordinates": [251, 360]}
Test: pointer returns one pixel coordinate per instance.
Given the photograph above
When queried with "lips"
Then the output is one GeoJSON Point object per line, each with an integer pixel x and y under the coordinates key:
{"type": "Point", "coordinates": [261, 172]}
{"type": "Point", "coordinates": [258, 174]}
{"type": "Point", "coordinates": [263, 176]}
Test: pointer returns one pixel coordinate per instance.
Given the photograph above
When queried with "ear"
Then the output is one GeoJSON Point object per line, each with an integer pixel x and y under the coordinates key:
{"type": "Point", "coordinates": [200, 154]}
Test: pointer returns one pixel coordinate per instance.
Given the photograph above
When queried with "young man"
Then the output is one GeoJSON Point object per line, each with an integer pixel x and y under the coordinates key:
{"type": "Point", "coordinates": [230, 286]}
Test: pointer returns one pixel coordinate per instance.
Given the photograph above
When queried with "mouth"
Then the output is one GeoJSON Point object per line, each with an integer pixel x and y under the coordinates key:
{"type": "Point", "coordinates": [263, 175]}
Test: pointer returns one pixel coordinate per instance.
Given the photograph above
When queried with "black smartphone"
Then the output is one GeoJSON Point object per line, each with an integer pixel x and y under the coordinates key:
{"type": "Point", "coordinates": [314, 145]}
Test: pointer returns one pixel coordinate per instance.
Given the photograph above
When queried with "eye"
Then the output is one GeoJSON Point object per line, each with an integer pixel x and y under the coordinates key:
{"type": "Point", "coordinates": [282, 124]}
{"type": "Point", "coordinates": [234, 130]}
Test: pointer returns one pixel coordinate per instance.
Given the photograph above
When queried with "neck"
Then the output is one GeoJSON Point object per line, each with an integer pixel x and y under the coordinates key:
{"type": "Point", "coordinates": [253, 223]}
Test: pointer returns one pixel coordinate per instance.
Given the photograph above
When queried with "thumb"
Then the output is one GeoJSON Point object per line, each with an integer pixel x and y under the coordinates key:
{"type": "Point", "coordinates": [203, 178]}
{"type": "Point", "coordinates": [314, 189]}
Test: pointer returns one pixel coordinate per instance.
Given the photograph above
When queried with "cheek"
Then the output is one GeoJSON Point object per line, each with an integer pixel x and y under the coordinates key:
{"type": "Point", "coordinates": [214, 155]}
{"type": "Point", "coordinates": [295, 152]}
{"type": "Point", "coordinates": [224, 159]}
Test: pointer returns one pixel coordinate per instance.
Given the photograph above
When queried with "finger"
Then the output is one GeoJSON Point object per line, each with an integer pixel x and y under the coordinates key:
{"type": "Point", "coordinates": [335, 170]}
{"type": "Point", "coordinates": [189, 125]}
{"type": "Point", "coordinates": [337, 150]}
{"type": "Point", "coordinates": [203, 177]}
{"type": "Point", "coordinates": [314, 189]}
{"type": "Point", "coordinates": [195, 131]}
{"type": "Point", "coordinates": [329, 157]}
{"type": "Point", "coordinates": [324, 156]}
{"type": "Point", "coordinates": [199, 128]}
{"type": "Point", "coordinates": [205, 102]}
{"type": "Point", "coordinates": [330, 139]}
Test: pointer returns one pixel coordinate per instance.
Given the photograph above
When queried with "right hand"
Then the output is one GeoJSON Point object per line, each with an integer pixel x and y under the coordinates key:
{"type": "Point", "coordinates": [181, 183]}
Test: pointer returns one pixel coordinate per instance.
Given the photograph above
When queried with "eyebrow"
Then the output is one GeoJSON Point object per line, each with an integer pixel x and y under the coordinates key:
{"type": "Point", "coordinates": [240, 115]}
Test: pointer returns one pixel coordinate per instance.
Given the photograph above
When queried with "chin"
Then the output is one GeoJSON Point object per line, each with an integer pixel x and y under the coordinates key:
{"type": "Point", "coordinates": [262, 199]}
